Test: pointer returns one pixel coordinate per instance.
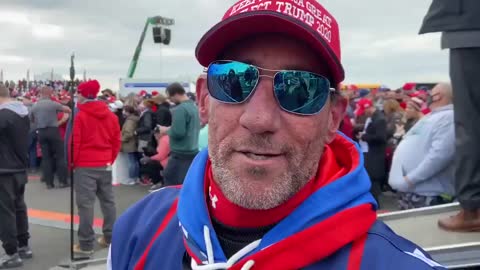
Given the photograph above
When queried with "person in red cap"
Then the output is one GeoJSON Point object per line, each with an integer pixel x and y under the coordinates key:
{"type": "Point", "coordinates": [109, 94]}
{"type": "Point", "coordinates": [96, 142]}
{"type": "Point", "coordinates": [142, 93]}
{"type": "Point", "coordinates": [359, 113]}
{"type": "Point", "coordinates": [373, 142]}
{"type": "Point", "coordinates": [278, 187]}
{"type": "Point", "coordinates": [414, 112]}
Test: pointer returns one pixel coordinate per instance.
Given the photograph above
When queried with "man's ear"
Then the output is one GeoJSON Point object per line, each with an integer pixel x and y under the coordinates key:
{"type": "Point", "coordinates": [202, 98]}
{"type": "Point", "coordinates": [337, 113]}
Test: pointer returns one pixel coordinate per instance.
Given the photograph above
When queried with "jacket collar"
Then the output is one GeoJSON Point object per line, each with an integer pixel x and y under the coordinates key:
{"type": "Point", "coordinates": [344, 193]}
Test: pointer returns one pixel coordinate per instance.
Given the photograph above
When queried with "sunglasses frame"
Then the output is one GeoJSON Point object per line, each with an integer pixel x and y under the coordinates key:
{"type": "Point", "coordinates": [330, 92]}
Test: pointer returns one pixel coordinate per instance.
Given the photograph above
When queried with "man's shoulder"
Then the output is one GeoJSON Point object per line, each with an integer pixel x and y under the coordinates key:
{"type": "Point", "coordinates": [9, 114]}
{"type": "Point", "coordinates": [386, 249]}
{"type": "Point", "coordinates": [45, 103]}
{"type": "Point", "coordinates": [5, 112]}
{"type": "Point", "coordinates": [151, 210]}
{"type": "Point", "coordinates": [6, 116]}
{"type": "Point", "coordinates": [34, 106]}
{"type": "Point", "coordinates": [187, 106]}
{"type": "Point", "coordinates": [445, 117]}
{"type": "Point", "coordinates": [143, 223]}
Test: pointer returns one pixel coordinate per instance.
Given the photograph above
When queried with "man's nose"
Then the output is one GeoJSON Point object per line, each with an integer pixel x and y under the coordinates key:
{"type": "Point", "coordinates": [261, 112]}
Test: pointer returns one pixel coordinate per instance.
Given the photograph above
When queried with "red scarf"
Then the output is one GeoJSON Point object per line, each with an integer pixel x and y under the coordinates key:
{"type": "Point", "coordinates": [236, 216]}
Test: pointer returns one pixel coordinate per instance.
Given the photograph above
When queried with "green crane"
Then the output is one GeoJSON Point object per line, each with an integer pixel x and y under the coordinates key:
{"type": "Point", "coordinates": [156, 20]}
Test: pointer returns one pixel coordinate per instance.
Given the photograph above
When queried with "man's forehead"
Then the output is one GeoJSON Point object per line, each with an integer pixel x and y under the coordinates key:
{"type": "Point", "coordinates": [254, 50]}
{"type": "Point", "coordinates": [289, 66]}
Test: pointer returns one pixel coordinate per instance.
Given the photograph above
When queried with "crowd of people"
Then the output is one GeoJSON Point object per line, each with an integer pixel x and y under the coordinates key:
{"type": "Point", "coordinates": [22, 87]}
{"type": "Point", "coordinates": [407, 137]}
{"type": "Point", "coordinates": [378, 119]}
{"type": "Point", "coordinates": [160, 136]}
{"type": "Point", "coordinates": [145, 146]}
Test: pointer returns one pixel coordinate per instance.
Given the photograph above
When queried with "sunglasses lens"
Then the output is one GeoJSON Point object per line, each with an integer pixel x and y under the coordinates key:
{"type": "Point", "coordinates": [301, 92]}
{"type": "Point", "coordinates": [231, 82]}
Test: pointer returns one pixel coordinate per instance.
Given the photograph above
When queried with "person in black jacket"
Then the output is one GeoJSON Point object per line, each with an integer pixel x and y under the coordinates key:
{"type": "Point", "coordinates": [146, 124]}
{"type": "Point", "coordinates": [14, 129]}
{"type": "Point", "coordinates": [163, 116]}
{"type": "Point", "coordinates": [375, 135]}
{"type": "Point", "coordinates": [459, 21]}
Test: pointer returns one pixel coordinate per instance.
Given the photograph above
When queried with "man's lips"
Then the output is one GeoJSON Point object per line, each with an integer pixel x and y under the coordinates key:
{"type": "Point", "coordinates": [260, 155]}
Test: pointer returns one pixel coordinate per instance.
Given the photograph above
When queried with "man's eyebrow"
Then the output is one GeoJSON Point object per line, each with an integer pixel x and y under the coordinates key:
{"type": "Point", "coordinates": [247, 61]}
{"type": "Point", "coordinates": [294, 67]}
{"type": "Point", "coordinates": [286, 67]}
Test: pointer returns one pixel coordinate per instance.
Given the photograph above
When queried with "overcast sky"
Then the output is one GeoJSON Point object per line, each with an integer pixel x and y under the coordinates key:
{"type": "Point", "coordinates": [379, 38]}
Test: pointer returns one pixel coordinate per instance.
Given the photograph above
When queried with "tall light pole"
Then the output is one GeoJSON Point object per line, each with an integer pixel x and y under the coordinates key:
{"type": "Point", "coordinates": [70, 157]}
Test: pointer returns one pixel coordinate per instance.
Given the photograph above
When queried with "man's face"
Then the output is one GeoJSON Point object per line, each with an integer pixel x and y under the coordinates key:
{"type": "Point", "coordinates": [260, 154]}
{"type": "Point", "coordinates": [435, 96]}
{"type": "Point", "coordinates": [410, 112]}
{"type": "Point", "coordinates": [390, 95]}
{"type": "Point", "coordinates": [399, 96]}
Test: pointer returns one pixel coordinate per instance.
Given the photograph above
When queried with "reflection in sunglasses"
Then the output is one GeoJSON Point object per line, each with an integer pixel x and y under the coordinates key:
{"type": "Point", "coordinates": [296, 91]}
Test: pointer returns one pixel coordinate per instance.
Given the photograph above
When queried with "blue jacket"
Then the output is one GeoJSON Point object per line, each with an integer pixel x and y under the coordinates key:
{"type": "Point", "coordinates": [160, 230]}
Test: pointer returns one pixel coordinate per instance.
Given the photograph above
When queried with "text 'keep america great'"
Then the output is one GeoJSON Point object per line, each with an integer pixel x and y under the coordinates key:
{"type": "Point", "coordinates": [299, 9]}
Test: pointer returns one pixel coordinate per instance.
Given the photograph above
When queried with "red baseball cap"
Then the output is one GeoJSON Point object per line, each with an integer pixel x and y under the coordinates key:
{"type": "Point", "coordinates": [304, 20]}
{"type": "Point", "coordinates": [409, 86]}
{"type": "Point", "coordinates": [89, 89]}
{"type": "Point", "coordinates": [362, 105]}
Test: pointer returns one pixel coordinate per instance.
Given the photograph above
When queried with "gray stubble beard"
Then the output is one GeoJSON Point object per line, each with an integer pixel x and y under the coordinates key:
{"type": "Point", "coordinates": [238, 192]}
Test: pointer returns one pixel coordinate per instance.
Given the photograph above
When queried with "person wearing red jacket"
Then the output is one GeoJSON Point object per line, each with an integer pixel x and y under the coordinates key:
{"type": "Point", "coordinates": [96, 142]}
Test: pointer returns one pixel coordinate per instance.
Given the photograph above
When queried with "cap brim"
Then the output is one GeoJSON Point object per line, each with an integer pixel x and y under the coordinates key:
{"type": "Point", "coordinates": [241, 26]}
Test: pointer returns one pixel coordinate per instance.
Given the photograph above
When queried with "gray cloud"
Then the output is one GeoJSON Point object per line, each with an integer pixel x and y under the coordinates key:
{"type": "Point", "coordinates": [379, 38]}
